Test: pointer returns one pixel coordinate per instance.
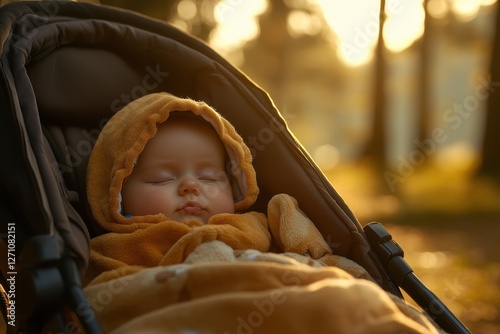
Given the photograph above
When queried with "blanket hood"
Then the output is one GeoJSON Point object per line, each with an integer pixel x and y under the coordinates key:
{"type": "Point", "coordinates": [124, 137]}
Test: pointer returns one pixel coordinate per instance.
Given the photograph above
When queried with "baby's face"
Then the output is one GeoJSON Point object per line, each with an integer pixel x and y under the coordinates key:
{"type": "Point", "coordinates": [180, 173]}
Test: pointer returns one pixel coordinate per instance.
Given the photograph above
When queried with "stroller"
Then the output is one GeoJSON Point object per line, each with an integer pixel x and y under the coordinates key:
{"type": "Point", "coordinates": [66, 69]}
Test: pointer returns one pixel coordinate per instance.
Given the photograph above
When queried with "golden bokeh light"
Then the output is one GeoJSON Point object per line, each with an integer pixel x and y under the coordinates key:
{"type": "Point", "coordinates": [326, 156]}
{"type": "Point", "coordinates": [404, 24]}
{"type": "Point", "coordinates": [438, 9]}
{"type": "Point", "coordinates": [466, 10]}
{"type": "Point", "coordinates": [356, 29]}
{"type": "Point", "coordinates": [354, 23]}
{"type": "Point", "coordinates": [186, 9]}
{"type": "Point", "coordinates": [236, 23]}
{"type": "Point", "coordinates": [302, 23]}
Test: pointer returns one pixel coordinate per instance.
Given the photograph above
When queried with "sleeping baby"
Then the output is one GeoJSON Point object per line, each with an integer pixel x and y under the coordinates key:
{"type": "Point", "coordinates": [168, 174]}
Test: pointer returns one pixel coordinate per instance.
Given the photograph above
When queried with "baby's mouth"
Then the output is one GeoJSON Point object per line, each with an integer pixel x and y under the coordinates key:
{"type": "Point", "coordinates": [191, 207]}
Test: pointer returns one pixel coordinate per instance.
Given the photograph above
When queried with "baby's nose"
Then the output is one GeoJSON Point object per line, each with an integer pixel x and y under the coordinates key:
{"type": "Point", "coordinates": [189, 186]}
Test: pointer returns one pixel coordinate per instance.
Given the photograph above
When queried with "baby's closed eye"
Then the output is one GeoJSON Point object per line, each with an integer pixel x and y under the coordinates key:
{"type": "Point", "coordinates": [160, 178]}
{"type": "Point", "coordinates": [213, 176]}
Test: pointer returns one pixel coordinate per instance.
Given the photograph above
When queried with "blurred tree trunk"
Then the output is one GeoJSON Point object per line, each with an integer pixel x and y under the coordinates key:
{"type": "Point", "coordinates": [267, 58]}
{"type": "Point", "coordinates": [490, 165]}
{"type": "Point", "coordinates": [377, 145]}
{"type": "Point", "coordinates": [274, 38]}
{"type": "Point", "coordinates": [423, 103]}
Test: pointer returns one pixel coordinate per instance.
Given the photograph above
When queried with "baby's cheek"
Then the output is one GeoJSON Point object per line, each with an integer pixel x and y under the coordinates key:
{"type": "Point", "coordinates": [214, 190]}
{"type": "Point", "coordinates": [227, 202]}
{"type": "Point", "coordinates": [148, 203]}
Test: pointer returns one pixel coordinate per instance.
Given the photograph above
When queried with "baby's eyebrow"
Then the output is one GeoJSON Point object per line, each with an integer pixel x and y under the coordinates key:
{"type": "Point", "coordinates": [151, 168]}
{"type": "Point", "coordinates": [160, 163]}
{"type": "Point", "coordinates": [210, 163]}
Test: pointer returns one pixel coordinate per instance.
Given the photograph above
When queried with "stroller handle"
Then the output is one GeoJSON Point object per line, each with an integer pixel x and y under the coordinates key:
{"type": "Point", "coordinates": [391, 255]}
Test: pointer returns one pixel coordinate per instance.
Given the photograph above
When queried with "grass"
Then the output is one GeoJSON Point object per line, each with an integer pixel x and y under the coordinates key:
{"type": "Point", "coordinates": [429, 193]}
{"type": "Point", "coordinates": [448, 223]}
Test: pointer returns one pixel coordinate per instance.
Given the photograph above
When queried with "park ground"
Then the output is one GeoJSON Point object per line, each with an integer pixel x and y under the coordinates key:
{"type": "Point", "coordinates": [448, 223]}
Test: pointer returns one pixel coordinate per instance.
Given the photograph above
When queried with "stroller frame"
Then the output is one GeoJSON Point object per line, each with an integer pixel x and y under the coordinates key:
{"type": "Point", "coordinates": [46, 136]}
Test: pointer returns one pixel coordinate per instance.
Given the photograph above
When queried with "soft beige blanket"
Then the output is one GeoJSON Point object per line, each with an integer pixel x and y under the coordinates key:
{"type": "Point", "coordinates": [219, 290]}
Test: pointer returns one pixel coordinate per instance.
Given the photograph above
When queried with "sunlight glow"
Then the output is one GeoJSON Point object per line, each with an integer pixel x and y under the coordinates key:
{"type": "Point", "coordinates": [438, 9]}
{"type": "Point", "coordinates": [326, 156]}
{"type": "Point", "coordinates": [356, 29]}
{"type": "Point", "coordinates": [458, 156]}
{"type": "Point", "coordinates": [404, 24]}
{"type": "Point", "coordinates": [431, 260]}
{"type": "Point", "coordinates": [236, 23]}
{"type": "Point", "coordinates": [302, 23]}
{"type": "Point", "coordinates": [186, 9]}
{"type": "Point", "coordinates": [354, 23]}
{"type": "Point", "coordinates": [466, 10]}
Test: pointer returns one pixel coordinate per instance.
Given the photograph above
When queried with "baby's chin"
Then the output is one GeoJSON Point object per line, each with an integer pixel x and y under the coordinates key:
{"type": "Point", "coordinates": [191, 219]}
